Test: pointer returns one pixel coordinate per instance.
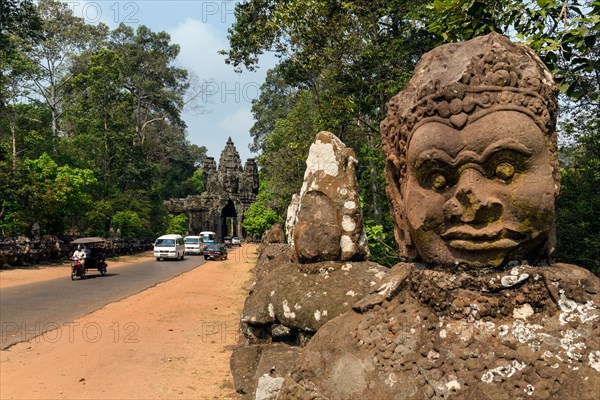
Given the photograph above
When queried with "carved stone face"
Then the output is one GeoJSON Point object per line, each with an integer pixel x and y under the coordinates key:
{"type": "Point", "coordinates": [482, 195]}
{"type": "Point", "coordinates": [230, 184]}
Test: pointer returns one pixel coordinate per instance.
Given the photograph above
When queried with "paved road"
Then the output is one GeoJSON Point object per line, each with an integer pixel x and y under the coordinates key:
{"type": "Point", "coordinates": [27, 311]}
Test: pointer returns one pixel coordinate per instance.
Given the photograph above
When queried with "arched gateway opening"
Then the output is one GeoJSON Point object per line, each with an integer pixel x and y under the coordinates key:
{"type": "Point", "coordinates": [229, 221]}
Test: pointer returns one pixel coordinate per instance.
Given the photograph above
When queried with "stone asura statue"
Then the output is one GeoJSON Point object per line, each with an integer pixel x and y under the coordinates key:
{"type": "Point", "coordinates": [479, 311]}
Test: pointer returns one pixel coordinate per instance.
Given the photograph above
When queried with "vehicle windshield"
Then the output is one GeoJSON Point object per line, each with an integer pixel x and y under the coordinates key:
{"type": "Point", "coordinates": [191, 240]}
{"type": "Point", "coordinates": [213, 247]}
{"type": "Point", "coordinates": [208, 237]}
{"type": "Point", "coordinates": [165, 242]}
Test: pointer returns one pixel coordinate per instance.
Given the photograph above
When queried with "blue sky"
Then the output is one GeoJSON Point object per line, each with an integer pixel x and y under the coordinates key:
{"type": "Point", "coordinates": [200, 29]}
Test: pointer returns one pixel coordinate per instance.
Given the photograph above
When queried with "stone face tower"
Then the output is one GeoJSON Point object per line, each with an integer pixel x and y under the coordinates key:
{"type": "Point", "coordinates": [229, 191]}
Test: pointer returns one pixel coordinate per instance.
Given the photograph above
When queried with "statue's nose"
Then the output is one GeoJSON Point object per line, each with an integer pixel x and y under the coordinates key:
{"type": "Point", "coordinates": [473, 200]}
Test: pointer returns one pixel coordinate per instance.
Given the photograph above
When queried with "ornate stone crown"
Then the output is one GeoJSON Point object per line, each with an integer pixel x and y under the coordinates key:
{"type": "Point", "coordinates": [459, 83]}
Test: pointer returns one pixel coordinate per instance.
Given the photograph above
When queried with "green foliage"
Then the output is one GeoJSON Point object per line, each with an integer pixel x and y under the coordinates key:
{"type": "Point", "coordinates": [382, 245]}
{"type": "Point", "coordinates": [63, 36]}
{"type": "Point", "coordinates": [13, 218]}
{"type": "Point", "coordinates": [341, 62]}
{"type": "Point", "coordinates": [259, 218]}
{"type": "Point", "coordinates": [578, 219]}
{"type": "Point", "coordinates": [44, 192]}
{"type": "Point", "coordinates": [105, 144]}
{"type": "Point", "coordinates": [19, 18]}
{"type": "Point", "coordinates": [285, 149]}
{"type": "Point", "coordinates": [151, 79]}
{"type": "Point", "coordinates": [178, 224]}
{"type": "Point", "coordinates": [98, 218]}
{"type": "Point", "coordinates": [564, 33]}
{"type": "Point", "coordinates": [128, 223]}
{"type": "Point", "coordinates": [198, 180]}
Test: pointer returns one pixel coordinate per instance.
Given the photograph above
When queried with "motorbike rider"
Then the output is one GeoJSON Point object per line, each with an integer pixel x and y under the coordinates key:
{"type": "Point", "coordinates": [79, 254]}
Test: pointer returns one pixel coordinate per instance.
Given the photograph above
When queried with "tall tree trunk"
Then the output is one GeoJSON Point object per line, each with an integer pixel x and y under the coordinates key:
{"type": "Point", "coordinates": [1, 106]}
{"type": "Point", "coordinates": [138, 125]}
{"type": "Point", "coordinates": [13, 129]}
{"type": "Point", "coordinates": [374, 177]}
{"type": "Point", "coordinates": [52, 103]}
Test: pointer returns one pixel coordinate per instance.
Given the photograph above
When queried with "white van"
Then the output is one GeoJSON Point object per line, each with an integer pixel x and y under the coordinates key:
{"type": "Point", "coordinates": [169, 246]}
{"type": "Point", "coordinates": [193, 244]}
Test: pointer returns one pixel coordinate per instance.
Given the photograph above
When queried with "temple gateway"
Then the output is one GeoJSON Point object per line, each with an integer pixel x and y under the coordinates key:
{"type": "Point", "coordinates": [229, 190]}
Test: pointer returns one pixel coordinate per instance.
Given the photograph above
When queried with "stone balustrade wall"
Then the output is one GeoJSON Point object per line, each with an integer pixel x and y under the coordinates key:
{"type": "Point", "coordinates": [23, 250]}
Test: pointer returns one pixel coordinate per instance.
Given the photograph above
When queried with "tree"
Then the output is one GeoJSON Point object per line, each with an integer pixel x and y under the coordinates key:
{"type": "Point", "coordinates": [98, 219]}
{"type": "Point", "coordinates": [128, 223]}
{"type": "Point", "coordinates": [259, 218]}
{"type": "Point", "coordinates": [283, 160]}
{"type": "Point", "coordinates": [64, 36]}
{"type": "Point", "coordinates": [563, 32]}
{"type": "Point", "coordinates": [12, 219]}
{"type": "Point", "coordinates": [98, 113]}
{"type": "Point", "coordinates": [52, 195]}
{"type": "Point", "coordinates": [14, 87]}
{"type": "Point", "coordinates": [276, 99]}
{"type": "Point", "coordinates": [157, 87]}
{"type": "Point", "coordinates": [341, 62]}
{"type": "Point", "coordinates": [198, 180]}
{"type": "Point", "coordinates": [178, 224]}
{"type": "Point", "coordinates": [19, 20]}
{"type": "Point", "coordinates": [578, 216]}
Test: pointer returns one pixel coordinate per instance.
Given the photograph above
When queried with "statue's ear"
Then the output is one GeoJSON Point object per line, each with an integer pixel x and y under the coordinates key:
{"type": "Point", "coordinates": [395, 170]}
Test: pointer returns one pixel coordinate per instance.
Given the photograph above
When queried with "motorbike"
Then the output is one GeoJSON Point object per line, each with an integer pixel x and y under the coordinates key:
{"type": "Point", "coordinates": [77, 269]}
{"type": "Point", "coordinates": [95, 258]}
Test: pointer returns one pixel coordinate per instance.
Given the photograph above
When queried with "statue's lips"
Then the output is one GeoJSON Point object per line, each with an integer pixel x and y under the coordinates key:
{"type": "Point", "coordinates": [469, 238]}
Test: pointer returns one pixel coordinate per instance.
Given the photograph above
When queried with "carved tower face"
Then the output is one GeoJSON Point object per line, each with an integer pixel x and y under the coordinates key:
{"type": "Point", "coordinates": [471, 156]}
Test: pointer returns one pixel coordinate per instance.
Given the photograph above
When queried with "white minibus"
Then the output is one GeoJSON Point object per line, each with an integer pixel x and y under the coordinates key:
{"type": "Point", "coordinates": [169, 246]}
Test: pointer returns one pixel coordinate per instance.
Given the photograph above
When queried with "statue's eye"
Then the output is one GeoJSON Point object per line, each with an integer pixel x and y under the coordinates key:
{"type": "Point", "coordinates": [435, 175]}
{"type": "Point", "coordinates": [439, 182]}
{"type": "Point", "coordinates": [505, 171]}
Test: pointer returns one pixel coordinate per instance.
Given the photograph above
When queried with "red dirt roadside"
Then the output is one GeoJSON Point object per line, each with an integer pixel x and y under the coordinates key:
{"type": "Point", "coordinates": [172, 341]}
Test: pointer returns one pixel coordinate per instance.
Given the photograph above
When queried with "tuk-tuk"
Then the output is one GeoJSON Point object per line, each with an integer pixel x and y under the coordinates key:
{"type": "Point", "coordinates": [94, 248]}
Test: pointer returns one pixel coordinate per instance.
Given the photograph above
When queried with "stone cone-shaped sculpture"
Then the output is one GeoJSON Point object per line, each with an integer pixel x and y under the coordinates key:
{"type": "Point", "coordinates": [317, 276]}
{"type": "Point", "coordinates": [324, 221]}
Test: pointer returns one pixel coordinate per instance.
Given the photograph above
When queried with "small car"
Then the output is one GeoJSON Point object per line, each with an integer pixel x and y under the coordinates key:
{"type": "Point", "coordinates": [215, 252]}
{"type": "Point", "coordinates": [235, 241]}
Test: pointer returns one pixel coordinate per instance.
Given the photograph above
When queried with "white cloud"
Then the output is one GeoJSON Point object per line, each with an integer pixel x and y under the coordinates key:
{"type": "Point", "coordinates": [199, 44]}
{"type": "Point", "coordinates": [200, 30]}
{"type": "Point", "coordinates": [231, 94]}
